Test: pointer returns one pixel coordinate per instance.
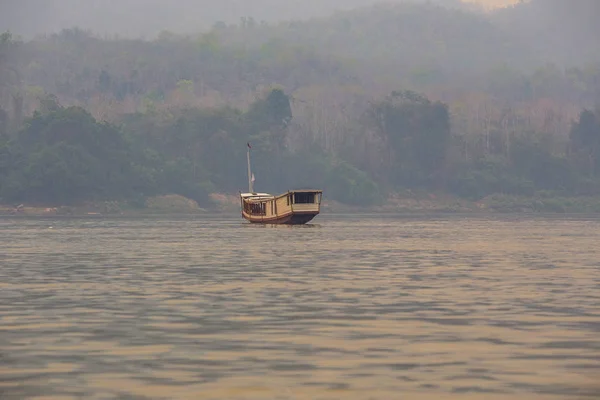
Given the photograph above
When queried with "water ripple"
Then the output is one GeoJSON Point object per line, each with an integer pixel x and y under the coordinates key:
{"type": "Point", "coordinates": [368, 307]}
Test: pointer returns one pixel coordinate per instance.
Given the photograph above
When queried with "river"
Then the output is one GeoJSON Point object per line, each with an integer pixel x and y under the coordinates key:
{"type": "Point", "coordinates": [349, 307]}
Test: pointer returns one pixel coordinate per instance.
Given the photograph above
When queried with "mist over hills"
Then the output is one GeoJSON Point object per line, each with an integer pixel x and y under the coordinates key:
{"type": "Point", "coordinates": [563, 32]}
{"type": "Point", "coordinates": [135, 18]}
{"type": "Point", "coordinates": [529, 33]}
{"type": "Point", "coordinates": [431, 95]}
{"type": "Point", "coordinates": [417, 44]}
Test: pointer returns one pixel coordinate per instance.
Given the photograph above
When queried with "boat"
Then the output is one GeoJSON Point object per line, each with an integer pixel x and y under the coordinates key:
{"type": "Point", "coordinates": [295, 207]}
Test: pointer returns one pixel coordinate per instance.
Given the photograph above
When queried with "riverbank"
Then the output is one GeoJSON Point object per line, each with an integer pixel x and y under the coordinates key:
{"type": "Point", "coordinates": [403, 202]}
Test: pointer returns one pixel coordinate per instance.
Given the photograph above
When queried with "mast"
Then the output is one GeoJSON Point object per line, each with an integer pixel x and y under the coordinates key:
{"type": "Point", "coordinates": [250, 180]}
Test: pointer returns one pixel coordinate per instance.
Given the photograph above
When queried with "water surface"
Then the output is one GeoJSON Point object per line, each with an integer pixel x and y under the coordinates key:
{"type": "Point", "coordinates": [364, 307]}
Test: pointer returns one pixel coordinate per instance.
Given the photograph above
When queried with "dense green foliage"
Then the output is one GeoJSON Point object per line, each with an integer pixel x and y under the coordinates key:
{"type": "Point", "coordinates": [65, 156]}
{"type": "Point", "coordinates": [417, 134]}
{"type": "Point", "coordinates": [361, 104]}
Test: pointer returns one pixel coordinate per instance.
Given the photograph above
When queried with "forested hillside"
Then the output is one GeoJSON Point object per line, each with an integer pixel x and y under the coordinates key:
{"type": "Point", "coordinates": [363, 104]}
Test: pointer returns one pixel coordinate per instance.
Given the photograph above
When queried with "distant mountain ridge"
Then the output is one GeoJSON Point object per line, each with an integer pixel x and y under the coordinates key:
{"type": "Point", "coordinates": [146, 18]}
{"type": "Point", "coordinates": [493, 4]}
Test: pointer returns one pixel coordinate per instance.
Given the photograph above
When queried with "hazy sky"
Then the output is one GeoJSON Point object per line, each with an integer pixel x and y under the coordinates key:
{"type": "Point", "coordinates": [147, 17]}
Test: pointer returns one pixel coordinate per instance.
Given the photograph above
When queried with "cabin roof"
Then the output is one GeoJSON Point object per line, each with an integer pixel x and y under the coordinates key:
{"type": "Point", "coordinates": [306, 191]}
{"type": "Point", "coordinates": [257, 196]}
{"type": "Point", "coordinates": [247, 195]}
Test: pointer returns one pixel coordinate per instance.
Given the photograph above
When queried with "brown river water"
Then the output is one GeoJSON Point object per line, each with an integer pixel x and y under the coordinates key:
{"type": "Point", "coordinates": [349, 307]}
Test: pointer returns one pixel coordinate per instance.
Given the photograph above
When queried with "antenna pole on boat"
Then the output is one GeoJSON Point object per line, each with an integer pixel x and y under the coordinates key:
{"type": "Point", "coordinates": [250, 185]}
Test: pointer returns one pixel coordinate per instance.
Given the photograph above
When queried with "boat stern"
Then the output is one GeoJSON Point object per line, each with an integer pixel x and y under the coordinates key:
{"type": "Point", "coordinates": [305, 201]}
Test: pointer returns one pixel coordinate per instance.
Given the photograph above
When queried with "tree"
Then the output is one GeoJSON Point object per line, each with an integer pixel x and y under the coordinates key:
{"type": "Point", "coordinates": [585, 139]}
{"type": "Point", "coordinates": [3, 125]}
{"type": "Point", "coordinates": [65, 156]}
{"type": "Point", "coordinates": [533, 160]}
{"type": "Point", "coordinates": [417, 132]}
{"type": "Point", "coordinates": [10, 77]}
{"type": "Point", "coordinates": [268, 119]}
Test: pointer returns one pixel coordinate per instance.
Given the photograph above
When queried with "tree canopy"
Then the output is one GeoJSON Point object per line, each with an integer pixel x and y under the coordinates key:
{"type": "Point", "coordinates": [363, 103]}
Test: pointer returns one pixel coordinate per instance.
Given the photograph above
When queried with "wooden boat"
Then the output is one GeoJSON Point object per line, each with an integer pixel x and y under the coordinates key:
{"type": "Point", "coordinates": [294, 207]}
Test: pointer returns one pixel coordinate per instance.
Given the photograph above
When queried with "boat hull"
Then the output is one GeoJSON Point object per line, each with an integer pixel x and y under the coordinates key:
{"type": "Point", "coordinates": [291, 219]}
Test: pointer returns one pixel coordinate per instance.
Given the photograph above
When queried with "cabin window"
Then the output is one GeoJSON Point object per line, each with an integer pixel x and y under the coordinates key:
{"type": "Point", "coordinates": [256, 208]}
{"type": "Point", "coordinates": [304, 198]}
{"type": "Point", "coordinates": [288, 199]}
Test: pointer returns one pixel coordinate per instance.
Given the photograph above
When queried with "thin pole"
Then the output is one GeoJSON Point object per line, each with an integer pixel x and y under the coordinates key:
{"type": "Point", "coordinates": [250, 188]}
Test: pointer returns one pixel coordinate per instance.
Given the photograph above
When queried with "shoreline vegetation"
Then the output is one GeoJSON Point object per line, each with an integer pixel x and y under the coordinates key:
{"type": "Point", "coordinates": [412, 107]}
{"type": "Point", "coordinates": [399, 203]}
